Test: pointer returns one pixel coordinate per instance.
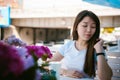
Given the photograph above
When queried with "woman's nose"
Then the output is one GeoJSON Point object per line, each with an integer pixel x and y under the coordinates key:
{"type": "Point", "coordinates": [88, 29]}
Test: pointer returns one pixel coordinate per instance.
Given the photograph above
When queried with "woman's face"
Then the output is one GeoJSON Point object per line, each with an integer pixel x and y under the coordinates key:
{"type": "Point", "coordinates": [86, 28]}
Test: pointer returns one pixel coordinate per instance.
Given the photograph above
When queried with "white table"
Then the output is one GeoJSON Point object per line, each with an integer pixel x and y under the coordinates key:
{"type": "Point", "coordinates": [68, 78]}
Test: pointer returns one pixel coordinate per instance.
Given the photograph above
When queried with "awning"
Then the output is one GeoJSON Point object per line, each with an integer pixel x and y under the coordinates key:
{"type": "Point", "coordinates": [110, 3]}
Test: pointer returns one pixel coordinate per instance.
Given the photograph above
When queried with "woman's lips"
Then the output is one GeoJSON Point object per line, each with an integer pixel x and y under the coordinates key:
{"type": "Point", "coordinates": [88, 35]}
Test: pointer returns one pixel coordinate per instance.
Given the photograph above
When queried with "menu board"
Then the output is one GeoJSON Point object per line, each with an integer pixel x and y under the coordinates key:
{"type": "Point", "coordinates": [5, 16]}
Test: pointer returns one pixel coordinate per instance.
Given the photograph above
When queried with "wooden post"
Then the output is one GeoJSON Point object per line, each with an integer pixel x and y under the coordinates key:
{"type": "Point", "coordinates": [1, 33]}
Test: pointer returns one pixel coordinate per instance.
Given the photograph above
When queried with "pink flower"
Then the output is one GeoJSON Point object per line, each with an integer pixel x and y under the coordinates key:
{"type": "Point", "coordinates": [10, 62]}
{"type": "Point", "coordinates": [20, 63]}
{"type": "Point", "coordinates": [39, 51]}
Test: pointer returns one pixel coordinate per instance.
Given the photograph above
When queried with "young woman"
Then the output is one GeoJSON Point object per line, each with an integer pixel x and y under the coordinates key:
{"type": "Point", "coordinates": [82, 56]}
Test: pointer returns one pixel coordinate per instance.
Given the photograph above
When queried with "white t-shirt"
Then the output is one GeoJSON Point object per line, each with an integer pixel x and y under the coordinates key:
{"type": "Point", "coordinates": [73, 58]}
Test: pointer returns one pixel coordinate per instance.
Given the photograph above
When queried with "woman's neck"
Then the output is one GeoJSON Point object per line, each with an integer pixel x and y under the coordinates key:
{"type": "Point", "coordinates": [80, 45]}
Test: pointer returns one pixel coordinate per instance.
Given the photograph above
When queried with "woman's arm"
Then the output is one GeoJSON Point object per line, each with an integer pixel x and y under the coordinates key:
{"type": "Point", "coordinates": [104, 72]}
{"type": "Point", "coordinates": [56, 57]}
{"type": "Point", "coordinates": [71, 73]}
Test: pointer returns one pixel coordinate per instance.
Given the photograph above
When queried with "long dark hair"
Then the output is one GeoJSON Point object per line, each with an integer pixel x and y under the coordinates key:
{"type": "Point", "coordinates": [89, 66]}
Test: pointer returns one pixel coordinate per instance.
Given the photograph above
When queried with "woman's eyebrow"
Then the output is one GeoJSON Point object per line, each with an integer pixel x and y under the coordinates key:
{"type": "Point", "coordinates": [85, 22]}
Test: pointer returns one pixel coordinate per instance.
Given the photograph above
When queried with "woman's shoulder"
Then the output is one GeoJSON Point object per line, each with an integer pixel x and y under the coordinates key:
{"type": "Point", "coordinates": [69, 43]}
{"type": "Point", "coordinates": [67, 46]}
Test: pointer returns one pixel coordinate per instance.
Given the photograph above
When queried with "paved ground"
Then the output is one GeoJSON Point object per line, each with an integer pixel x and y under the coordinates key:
{"type": "Point", "coordinates": [114, 62]}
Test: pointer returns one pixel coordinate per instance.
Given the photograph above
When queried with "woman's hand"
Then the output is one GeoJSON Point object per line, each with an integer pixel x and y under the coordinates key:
{"type": "Point", "coordinates": [99, 46]}
{"type": "Point", "coordinates": [71, 73]}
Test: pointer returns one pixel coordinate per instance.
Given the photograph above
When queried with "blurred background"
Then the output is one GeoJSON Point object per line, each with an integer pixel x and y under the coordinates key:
{"type": "Point", "coordinates": [50, 21]}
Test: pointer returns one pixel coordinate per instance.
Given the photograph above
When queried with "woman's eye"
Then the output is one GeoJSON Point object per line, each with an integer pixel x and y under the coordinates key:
{"type": "Point", "coordinates": [93, 27]}
{"type": "Point", "coordinates": [84, 25]}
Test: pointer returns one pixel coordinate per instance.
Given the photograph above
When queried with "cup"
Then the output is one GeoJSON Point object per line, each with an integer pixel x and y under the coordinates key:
{"type": "Point", "coordinates": [56, 66]}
